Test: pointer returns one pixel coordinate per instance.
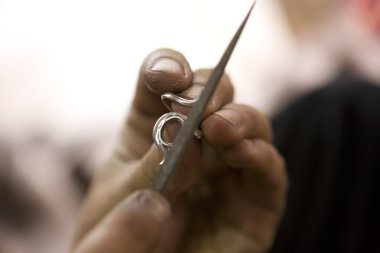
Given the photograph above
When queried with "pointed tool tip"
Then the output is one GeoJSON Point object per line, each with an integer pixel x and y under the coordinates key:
{"type": "Point", "coordinates": [249, 13]}
{"type": "Point", "coordinates": [252, 6]}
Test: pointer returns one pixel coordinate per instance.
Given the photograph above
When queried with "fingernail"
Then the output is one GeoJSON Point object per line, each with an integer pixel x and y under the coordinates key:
{"type": "Point", "coordinates": [167, 65]}
{"type": "Point", "coordinates": [155, 204]}
{"type": "Point", "coordinates": [194, 91]}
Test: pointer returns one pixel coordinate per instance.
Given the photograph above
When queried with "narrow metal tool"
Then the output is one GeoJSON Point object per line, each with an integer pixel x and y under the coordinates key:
{"type": "Point", "coordinates": [191, 124]}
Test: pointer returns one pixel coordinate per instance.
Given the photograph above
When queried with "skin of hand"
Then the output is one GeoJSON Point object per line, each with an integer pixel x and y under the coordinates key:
{"type": "Point", "coordinates": [228, 195]}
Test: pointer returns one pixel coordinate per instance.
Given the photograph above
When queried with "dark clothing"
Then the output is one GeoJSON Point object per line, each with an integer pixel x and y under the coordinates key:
{"type": "Point", "coordinates": [330, 139]}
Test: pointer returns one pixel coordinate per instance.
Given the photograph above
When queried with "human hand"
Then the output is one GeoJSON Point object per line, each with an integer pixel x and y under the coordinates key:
{"type": "Point", "coordinates": [228, 196]}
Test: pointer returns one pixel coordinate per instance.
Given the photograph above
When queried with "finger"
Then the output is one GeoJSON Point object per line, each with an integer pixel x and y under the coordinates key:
{"type": "Point", "coordinates": [263, 168]}
{"type": "Point", "coordinates": [257, 198]}
{"type": "Point", "coordinates": [235, 122]}
{"type": "Point", "coordinates": [163, 70]}
{"type": "Point", "coordinates": [133, 226]}
{"type": "Point", "coordinates": [223, 94]}
{"type": "Point", "coordinates": [255, 154]}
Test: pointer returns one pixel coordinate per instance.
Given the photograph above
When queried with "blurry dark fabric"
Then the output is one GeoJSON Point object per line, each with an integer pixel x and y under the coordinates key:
{"type": "Point", "coordinates": [19, 207]}
{"type": "Point", "coordinates": [330, 139]}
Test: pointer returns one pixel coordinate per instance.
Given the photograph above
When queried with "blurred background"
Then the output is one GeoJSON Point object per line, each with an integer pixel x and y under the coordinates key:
{"type": "Point", "coordinates": [68, 71]}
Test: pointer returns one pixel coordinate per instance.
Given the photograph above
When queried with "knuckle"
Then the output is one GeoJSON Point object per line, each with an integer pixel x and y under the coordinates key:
{"type": "Point", "coordinates": [219, 132]}
{"type": "Point", "coordinates": [133, 227]}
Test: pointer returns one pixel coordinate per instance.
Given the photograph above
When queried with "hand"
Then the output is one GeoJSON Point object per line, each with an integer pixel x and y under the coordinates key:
{"type": "Point", "coordinates": [228, 196]}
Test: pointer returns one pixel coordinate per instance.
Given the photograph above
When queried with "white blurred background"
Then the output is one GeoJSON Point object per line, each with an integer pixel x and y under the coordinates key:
{"type": "Point", "coordinates": [70, 66]}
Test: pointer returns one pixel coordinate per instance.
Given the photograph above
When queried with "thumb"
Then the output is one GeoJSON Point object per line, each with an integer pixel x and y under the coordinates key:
{"type": "Point", "coordinates": [164, 70]}
{"type": "Point", "coordinates": [133, 226]}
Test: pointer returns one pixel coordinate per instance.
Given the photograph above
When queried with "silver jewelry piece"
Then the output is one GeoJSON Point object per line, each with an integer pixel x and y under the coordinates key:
{"type": "Point", "coordinates": [176, 99]}
{"type": "Point", "coordinates": [160, 124]}
{"type": "Point", "coordinates": [158, 128]}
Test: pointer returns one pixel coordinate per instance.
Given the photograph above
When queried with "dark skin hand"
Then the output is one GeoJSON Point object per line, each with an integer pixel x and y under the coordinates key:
{"type": "Point", "coordinates": [228, 196]}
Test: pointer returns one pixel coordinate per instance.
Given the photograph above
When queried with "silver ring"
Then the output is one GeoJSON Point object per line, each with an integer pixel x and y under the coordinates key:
{"type": "Point", "coordinates": [158, 128]}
